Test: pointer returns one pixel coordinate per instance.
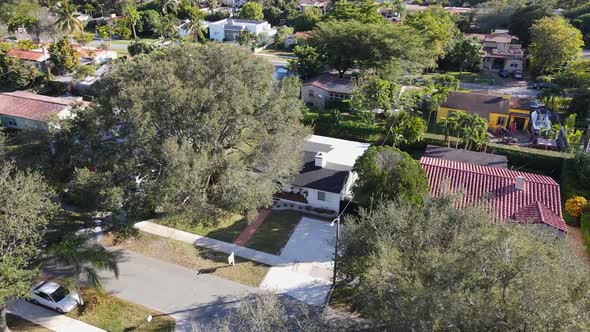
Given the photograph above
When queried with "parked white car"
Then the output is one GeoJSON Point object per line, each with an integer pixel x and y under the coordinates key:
{"type": "Point", "coordinates": [54, 296]}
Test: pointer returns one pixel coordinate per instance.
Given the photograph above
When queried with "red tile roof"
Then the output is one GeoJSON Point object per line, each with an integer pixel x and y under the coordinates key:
{"type": "Point", "coordinates": [31, 106]}
{"type": "Point", "coordinates": [539, 202]}
{"type": "Point", "coordinates": [37, 56]}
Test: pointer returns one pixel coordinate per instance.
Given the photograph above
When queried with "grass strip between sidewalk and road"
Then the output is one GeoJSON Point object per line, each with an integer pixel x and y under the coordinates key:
{"type": "Point", "coordinates": [113, 314]}
{"type": "Point", "coordinates": [197, 258]}
{"type": "Point", "coordinates": [18, 324]}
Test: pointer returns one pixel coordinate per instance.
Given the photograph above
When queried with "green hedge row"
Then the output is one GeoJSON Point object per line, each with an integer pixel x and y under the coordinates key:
{"type": "Point", "coordinates": [585, 227]}
{"type": "Point", "coordinates": [325, 124]}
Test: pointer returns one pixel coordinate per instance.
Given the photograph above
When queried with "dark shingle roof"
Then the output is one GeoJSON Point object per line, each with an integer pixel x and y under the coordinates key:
{"type": "Point", "coordinates": [470, 157]}
{"type": "Point", "coordinates": [323, 179]}
{"type": "Point", "coordinates": [474, 103]}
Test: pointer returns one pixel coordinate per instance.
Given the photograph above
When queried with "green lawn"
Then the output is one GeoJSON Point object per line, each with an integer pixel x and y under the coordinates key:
{"type": "Point", "coordinates": [274, 233]}
{"type": "Point", "coordinates": [196, 258]}
{"type": "Point", "coordinates": [227, 230]}
{"type": "Point", "coordinates": [113, 314]}
{"type": "Point", "coordinates": [479, 78]}
{"type": "Point", "coordinates": [17, 324]}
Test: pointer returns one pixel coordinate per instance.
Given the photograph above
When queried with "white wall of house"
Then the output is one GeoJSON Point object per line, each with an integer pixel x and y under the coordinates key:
{"type": "Point", "coordinates": [315, 96]}
{"type": "Point", "coordinates": [513, 64]}
{"type": "Point", "coordinates": [14, 122]}
{"type": "Point", "coordinates": [330, 201]}
{"type": "Point", "coordinates": [216, 31]}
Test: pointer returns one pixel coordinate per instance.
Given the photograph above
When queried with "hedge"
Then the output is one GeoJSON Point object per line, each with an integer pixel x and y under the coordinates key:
{"type": "Point", "coordinates": [354, 129]}
{"type": "Point", "coordinates": [585, 228]}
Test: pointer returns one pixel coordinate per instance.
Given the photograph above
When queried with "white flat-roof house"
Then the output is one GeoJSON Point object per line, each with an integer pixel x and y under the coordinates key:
{"type": "Point", "coordinates": [326, 178]}
{"type": "Point", "coordinates": [229, 28]}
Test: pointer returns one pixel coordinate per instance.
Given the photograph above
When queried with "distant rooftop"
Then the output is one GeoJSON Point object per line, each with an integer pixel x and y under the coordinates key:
{"type": "Point", "coordinates": [32, 106]}
{"type": "Point", "coordinates": [331, 83]}
{"type": "Point", "coordinates": [466, 156]}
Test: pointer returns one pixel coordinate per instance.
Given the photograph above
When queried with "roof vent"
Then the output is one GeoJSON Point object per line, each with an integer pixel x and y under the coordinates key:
{"type": "Point", "coordinates": [320, 160]}
{"type": "Point", "coordinates": [520, 181]}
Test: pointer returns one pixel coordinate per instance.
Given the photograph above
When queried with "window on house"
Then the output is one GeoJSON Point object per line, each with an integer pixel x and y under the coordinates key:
{"type": "Point", "coordinates": [310, 93]}
{"type": "Point", "coordinates": [321, 196]}
{"type": "Point", "coordinates": [501, 121]}
{"type": "Point", "coordinates": [10, 122]}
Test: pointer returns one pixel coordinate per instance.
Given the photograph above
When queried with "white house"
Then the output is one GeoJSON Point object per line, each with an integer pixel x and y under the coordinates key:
{"type": "Point", "coordinates": [228, 29]}
{"type": "Point", "coordinates": [326, 178]}
{"type": "Point", "coordinates": [93, 55]}
{"type": "Point", "coordinates": [30, 111]}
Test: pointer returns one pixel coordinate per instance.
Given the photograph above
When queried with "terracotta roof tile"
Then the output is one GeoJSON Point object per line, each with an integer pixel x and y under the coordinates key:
{"type": "Point", "coordinates": [37, 56]}
{"type": "Point", "coordinates": [539, 202]}
{"type": "Point", "coordinates": [31, 106]}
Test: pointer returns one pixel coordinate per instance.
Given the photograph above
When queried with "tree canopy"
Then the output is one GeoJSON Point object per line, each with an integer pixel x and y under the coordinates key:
{"type": "Point", "coordinates": [386, 173]}
{"type": "Point", "coordinates": [554, 43]}
{"type": "Point", "coordinates": [193, 129]}
{"type": "Point", "coordinates": [369, 46]}
{"type": "Point", "coordinates": [25, 207]}
{"type": "Point", "coordinates": [437, 26]}
{"type": "Point", "coordinates": [251, 11]}
{"type": "Point", "coordinates": [63, 56]}
{"type": "Point", "coordinates": [437, 268]}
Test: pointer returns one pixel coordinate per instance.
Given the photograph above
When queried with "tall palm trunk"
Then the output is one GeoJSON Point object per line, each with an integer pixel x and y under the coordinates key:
{"type": "Point", "coordinates": [3, 324]}
{"type": "Point", "coordinates": [134, 33]}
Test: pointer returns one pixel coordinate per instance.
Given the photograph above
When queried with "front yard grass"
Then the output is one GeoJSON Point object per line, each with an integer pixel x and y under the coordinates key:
{"type": "Point", "coordinates": [113, 314]}
{"type": "Point", "coordinates": [204, 260]}
{"type": "Point", "coordinates": [18, 324]}
{"type": "Point", "coordinates": [274, 232]}
{"type": "Point", "coordinates": [478, 78]}
{"type": "Point", "coordinates": [341, 298]}
{"type": "Point", "coordinates": [227, 230]}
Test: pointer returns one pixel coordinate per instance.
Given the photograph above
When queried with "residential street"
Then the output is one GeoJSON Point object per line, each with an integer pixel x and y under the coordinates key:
{"type": "Point", "coordinates": [171, 289]}
{"type": "Point", "coordinates": [174, 290]}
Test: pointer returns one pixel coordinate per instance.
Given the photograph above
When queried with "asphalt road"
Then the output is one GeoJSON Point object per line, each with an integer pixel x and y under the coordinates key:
{"type": "Point", "coordinates": [191, 298]}
{"type": "Point", "coordinates": [174, 290]}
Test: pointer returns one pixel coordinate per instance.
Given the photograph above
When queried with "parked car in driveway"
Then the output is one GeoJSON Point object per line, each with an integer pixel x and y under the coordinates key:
{"type": "Point", "coordinates": [544, 85]}
{"type": "Point", "coordinates": [503, 73]}
{"type": "Point", "coordinates": [517, 74]}
{"type": "Point", "coordinates": [54, 296]}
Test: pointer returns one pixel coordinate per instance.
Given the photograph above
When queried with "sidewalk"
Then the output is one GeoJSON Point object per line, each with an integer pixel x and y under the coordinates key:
{"type": "Point", "coordinates": [308, 282]}
{"type": "Point", "coordinates": [249, 231]}
{"type": "Point", "coordinates": [202, 241]}
{"type": "Point", "coordinates": [49, 319]}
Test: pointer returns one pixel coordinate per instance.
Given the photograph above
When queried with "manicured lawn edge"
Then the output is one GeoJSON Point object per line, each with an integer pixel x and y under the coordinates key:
{"type": "Point", "coordinates": [113, 314]}
{"type": "Point", "coordinates": [203, 260]}
{"type": "Point", "coordinates": [274, 233]}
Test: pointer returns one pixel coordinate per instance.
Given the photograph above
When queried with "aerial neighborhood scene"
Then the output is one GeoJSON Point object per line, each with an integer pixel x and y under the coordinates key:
{"type": "Point", "coordinates": [294, 165]}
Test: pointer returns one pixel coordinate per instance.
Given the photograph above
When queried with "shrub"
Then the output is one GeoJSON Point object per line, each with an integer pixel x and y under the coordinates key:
{"type": "Point", "coordinates": [140, 48]}
{"type": "Point", "coordinates": [575, 206]}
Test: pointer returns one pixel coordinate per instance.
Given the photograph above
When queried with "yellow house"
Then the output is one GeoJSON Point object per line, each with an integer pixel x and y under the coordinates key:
{"type": "Point", "coordinates": [500, 111]}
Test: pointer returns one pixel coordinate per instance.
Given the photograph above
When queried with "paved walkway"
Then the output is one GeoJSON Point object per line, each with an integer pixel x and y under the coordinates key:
{"type": "Point", "coordinates": [49, 319]}
{"type": "Point", "coordinates": [309, 280]}
{"type": "Point", "coordinates": [202, 241]}
{"type": "Point", "coordinates": [249, 231]}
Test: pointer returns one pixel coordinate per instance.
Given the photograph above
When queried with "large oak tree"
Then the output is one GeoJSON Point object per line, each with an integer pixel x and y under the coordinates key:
{"type": "Point", "coordinates": [196, 130]}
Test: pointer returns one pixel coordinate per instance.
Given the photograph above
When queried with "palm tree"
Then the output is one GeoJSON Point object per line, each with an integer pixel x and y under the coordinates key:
{"type": "Point", "coordinates": [475, 127]}
{"type": "Point", "coordinates": [439, 95]}
{"type": "Point", "coordinates": [67, 21]}
{"type": "Point", "coordinates": [83, 258]}
{"type": "Point", "coordinates": [171, 5]}
{"type": "Point", "coordinates": [462, 119]}
{"type": "Point", "coordinates": [132, 16]}
{"type": "Point", "coordinates": [195, 15]}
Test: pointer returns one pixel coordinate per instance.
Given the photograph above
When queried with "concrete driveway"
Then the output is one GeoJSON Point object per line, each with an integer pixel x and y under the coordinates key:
{"type": "Point", "coordinates": [311, 241]}
{"type": "Point", "coordinates": [309, 280]}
